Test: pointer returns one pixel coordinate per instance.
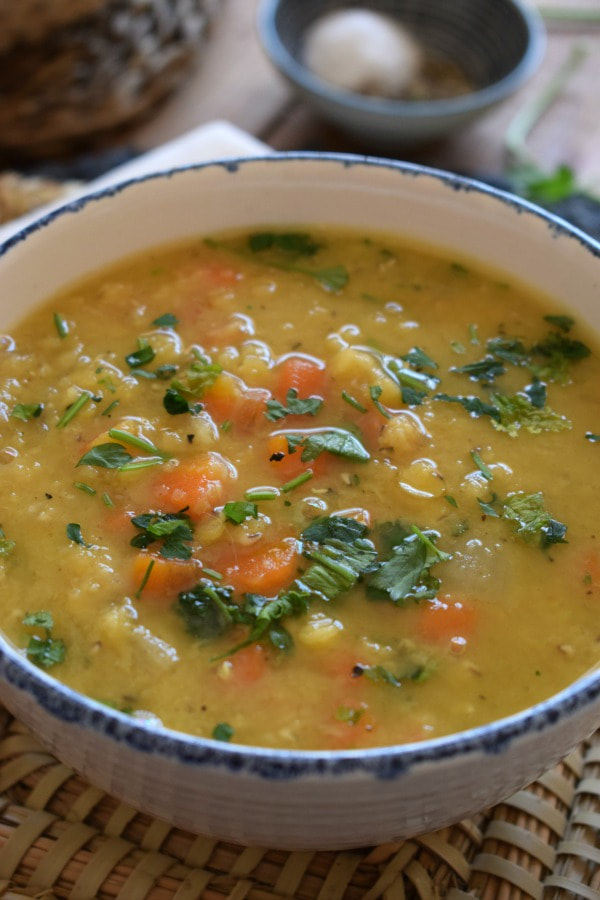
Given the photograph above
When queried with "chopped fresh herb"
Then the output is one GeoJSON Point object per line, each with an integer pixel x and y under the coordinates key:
{"type": "Point", "coordinates": [516, 412]}
{"type": "Point", "coordinates": [86, 488]}
{"type": "Point", "coordinates": [238, 511]}
{"type": "Point", "coordinates": [410, 671]}
{"type": "Point", "coordinates": [207, 609]}
{"type": "Point", "coordinates": [413, 385]}
{"type": "Point", "coordinates": [295, 406]}
{"type": "Point", "coordinates": [140, 442]}
{"type": "Point", "coordinates": [107, 382]}
{"type": "Point", "coordinates": [61, 325]}
{"type": "Point", "coordinates": [419, 359]}
{"type": "Point", "coordinates": [140, 357]}
{"type": "Point", "coordinates": [593, 438]}
{"type": "Point", "coordinates": [485, 369]}
{"type": "Point", "coordinates": [565, 323]}
{"type": "Point", "coordinates": [536, 392]}
{"type": "Point", "coordinates": [353, 402]}
{"type": "Point", "coordinates": [27, 411]}
{"type": "Point", "coordinates": [144, 581]}
{"type": "Point", "coordinates": [227, 425]}
{"type": "Point", "coordinates": [531, 519]}
{"type": "Point", "coordinates": [333, 278]}
{"type": "Point", "coordinates": [74, 534]}
{"type": "Point", "coordinates": [349, 715]}
{"type": "Point", "coordinates": [6, 545]}
{"type": "Point", "coordinates": [375, 393]}
{"type": "Point", "coordinates": [475, 406]}
{"type": "Point", "coordinates": [337, 528]}
{"type": "Point", "coordinates": [222, 732]}
{"type": "Point", "coordinates": [511, 350]}
{"type": "Point", "coordinates": [145, 462]}
{"type": "Point", "coordinates": [457, 347]}
{"type": "Point", "coordinates": [451, 500]}
{"type": "Point", "coordinates": [175, 403]}
{"type": "Point", "coordinates": [106, 456]}
{"type": "Point", "coordinates": [298, 243]}
{"type": "Point", "coordinates": [173, 529]}
{"type": "Point", "coordinates": [459, 268]}
{"type": "Point", "coordinates": [199, 376]}
{"type": "Point", "coordinates": [44, 652]}
{"type": "Point", "coordinates": [406, 574]}
{"type": "Point", "coordinates": [481, 465]}
{"type": "Point", "coordinates": [212, 574]}
{"type": "Point", "coordinates": [473, 337]}
{"type": "Point", "coordinates": [110, 408]}
{"type": "Point", "coordinates": [256, 494]}
{"type": "Point", "coordinates": [73, 409]}
{"type": "Point", "coordinates": [338, 442]}
{"type": "Point", "coordinates": [488, 508]}
{"type": "Point", "coordinates": [106, 499]}
{"type": "Point", "coordinates": [297, 481]}
{"type": "Point", "coordinates": [167, 320]}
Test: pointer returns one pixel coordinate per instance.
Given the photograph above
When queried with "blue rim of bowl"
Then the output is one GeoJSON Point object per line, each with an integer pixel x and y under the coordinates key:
{"type": "Point", "coordinates": [388, 762]}
{"type": "Point", "coordinates": [289, 66]}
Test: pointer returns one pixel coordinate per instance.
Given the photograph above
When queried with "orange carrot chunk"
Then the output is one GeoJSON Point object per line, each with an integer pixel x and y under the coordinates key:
{"type": "Point", "coordinates": [166, 579]}
{"type": "Point", "coordinates": [305, 375]}
{"type": "Point", "coordinates": [446, 621]}
{"type": "Point", "coordinates": [198, 483]}
{"type": "Point", "coordinates": [266, 571]}
{"type": "Point", "coordinates": [229, 400]}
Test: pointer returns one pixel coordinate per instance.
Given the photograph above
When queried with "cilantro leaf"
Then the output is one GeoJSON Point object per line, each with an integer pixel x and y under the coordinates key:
{"type": "Point", "coordinates": [6, 545]}
{"type": "Point", "coordinates": [565, 323]}
{"type": "Point", "coordinates": [106, 456]}
{"type": "Point", "coordinates": [238, 511]}
{"type": "Point", "coordinates": [414, 386]}
{"type": "Point", "coordinates": [485, 369]}
{"type": "Point", "coordinates": [167, 320]}
{"type": "Point", "coordinates": [298, 243]}
{"type": "Point", "coordinates": [591, 437]}
{"type": "Point", "coordinates": [40, 619]}
{"type": "Point", "coordinates": [336, 441]}
{"type": "Point", "coordinates": [536, 392]}
{"type": "Point", "coordinates": [375, 392]}
{"type": "Point", "coordinates": [408, 670]}
{"type": "Point", "coordinates": [74, 534]}
{"type": "Point", "coordinates": [475, 406]}
{"type": "Point", "coordinates": [481, 465]}
{"type": "Point", "coordinates": [206, 609]}
{"type": "Point", "coordinates": [531, 518]}
{"type": "Point", "coordinates": [488, 508]}
{"type": "Point", "coordinates": [140, 357]}
{"type": "Point", "coordinates": [199, 376]}
{"type": "Point", "coordinates": [516, 412]}
{"type": "Point", "coordinates": [27, 411]}
{"type": "Point", "coordinates": [419, 359]}
{"type": "Point", "coordinates": [294, 406]}
{"type": "Point", "coordinates": [337, 565]}
{"type": "Point", "coordinates": [406, 574]}
{"type": "Point", "coordinates": [174, 529]}
{"type": "Point", "coordinates": [45, 652]}
{"type": "Point", "coordinates": [175, 403]}
{"type": "Point", "coordinates": [511, 350]}
{"type": "Point", "coordinates": [222, 732]}
{"type": "Point", "coordinates": [337, 528]}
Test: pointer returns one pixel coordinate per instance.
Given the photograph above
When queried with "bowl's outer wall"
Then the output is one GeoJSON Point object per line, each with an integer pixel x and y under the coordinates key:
{"type": "Point", "coordinates": [232, 796]}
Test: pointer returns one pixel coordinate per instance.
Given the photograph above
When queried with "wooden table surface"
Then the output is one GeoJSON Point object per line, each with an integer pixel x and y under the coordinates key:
{"type": "Point", "coordinates": [235, 81]}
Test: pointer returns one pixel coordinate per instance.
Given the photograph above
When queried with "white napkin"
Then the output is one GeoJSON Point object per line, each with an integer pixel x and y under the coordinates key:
{"type": "Point", "coordinates": [215, 140]}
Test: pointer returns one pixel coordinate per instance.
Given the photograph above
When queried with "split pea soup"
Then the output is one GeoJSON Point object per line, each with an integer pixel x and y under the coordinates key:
{"type": "Point", "coordinates": [296, 489]}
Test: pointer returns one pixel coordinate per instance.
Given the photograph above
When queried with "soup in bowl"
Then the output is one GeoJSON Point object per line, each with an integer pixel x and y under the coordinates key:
{"type": "Point", "coordinates": [298, 535]}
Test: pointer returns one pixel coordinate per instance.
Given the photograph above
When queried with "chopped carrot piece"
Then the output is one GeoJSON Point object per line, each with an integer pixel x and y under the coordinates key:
{"type": "Point", "coordinates": [228, 399]}
{"type": "Point", "coordinates": [305, 375]}
{"type": "Point", "coordinates": [167, 577]}
{"type": "Point", "coordinates": [290, 465]}
{"type": "Point", "coordinates": [591, 568]}
{"type": "Point", "coordinates": [265, 571]}
{"type": "Point", "coordinates": [248, 665]}
{"type": "Point", "coordinates": [445, 620]}
{"type": "Point", "coordinates": [198, 483]}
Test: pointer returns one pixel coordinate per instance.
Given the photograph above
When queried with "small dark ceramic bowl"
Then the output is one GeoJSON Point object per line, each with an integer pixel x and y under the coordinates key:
{"type": "Point", "coordinates": [498, 44]}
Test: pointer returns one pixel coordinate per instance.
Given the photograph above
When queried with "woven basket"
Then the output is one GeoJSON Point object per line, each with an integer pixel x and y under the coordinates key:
{"type": "Point", "coordinates": [62, 838]}
{"type": "Point", "coordinates": [83, 68]}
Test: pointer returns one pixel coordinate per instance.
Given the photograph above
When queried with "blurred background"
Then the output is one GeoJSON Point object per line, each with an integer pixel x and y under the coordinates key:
{"type": "Point", "coordinates": [88, 84]}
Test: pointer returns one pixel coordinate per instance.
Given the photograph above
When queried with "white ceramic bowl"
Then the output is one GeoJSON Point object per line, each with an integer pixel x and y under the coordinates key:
{"type": "Point", "coordinates": [283, 798]}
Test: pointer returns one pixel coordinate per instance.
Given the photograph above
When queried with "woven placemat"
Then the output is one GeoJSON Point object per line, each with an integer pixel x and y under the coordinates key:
{"type": "Point", "coordinates": [60, 837]}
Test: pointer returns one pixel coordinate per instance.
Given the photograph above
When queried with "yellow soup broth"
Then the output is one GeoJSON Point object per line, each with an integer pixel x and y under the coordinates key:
{"type": "Point", "coordinates": [302, 490]}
